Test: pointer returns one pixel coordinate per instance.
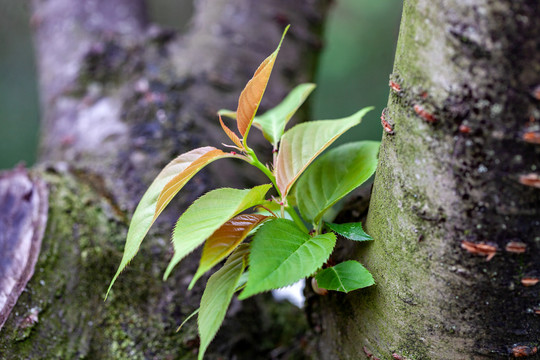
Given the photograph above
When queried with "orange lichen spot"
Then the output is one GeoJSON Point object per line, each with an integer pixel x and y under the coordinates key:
{"type": "Point", "coordinates": [523, 351]}
{"type": "Point", "coordinates": [532, 137]}
{"type": "Point", "coordinates": [482, 249]}
{"type": "Point", "coordinates": [420, 111]}
{"type": "Point", "coordinates": [394, 86]}
{"type": "Point", "coordinates": [531, 179]}
{"type": "Point", "coordinates": [516, 247]}
{"type": "Point", "coordinates": [529, 281]}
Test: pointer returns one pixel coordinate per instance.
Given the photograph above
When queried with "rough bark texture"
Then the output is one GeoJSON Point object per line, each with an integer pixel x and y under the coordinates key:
{"type": "Point", "coordinates": [120, 99]}
{"type": "Point", "coordinates": [450, 183]}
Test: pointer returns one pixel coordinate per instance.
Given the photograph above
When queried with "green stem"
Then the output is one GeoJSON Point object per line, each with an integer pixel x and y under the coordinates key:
{"type": "Point", "coordinates": [297, 220]}
{"type": "Point", "coordinates": [318, 227]}
{"type": "Point", "coordinates": [253, 160]}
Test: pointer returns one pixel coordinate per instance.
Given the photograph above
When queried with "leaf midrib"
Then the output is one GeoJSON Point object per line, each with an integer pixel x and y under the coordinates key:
{"type": "Point", "coordinates": [339, 279]}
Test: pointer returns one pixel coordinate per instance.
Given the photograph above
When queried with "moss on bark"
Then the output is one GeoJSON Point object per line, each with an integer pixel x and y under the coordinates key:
{"type": "Point", "coordinates": [81, 249]}
{"type": "Point", "coordinates": [130, 100]}
{"type": "Point", "coordinates": [449, 175]}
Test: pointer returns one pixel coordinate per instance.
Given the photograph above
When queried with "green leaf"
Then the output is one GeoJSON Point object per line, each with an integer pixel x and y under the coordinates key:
{"type": "Point", "coordinates": [347, 276]}
{"type": "Point", "coordinates": [273, 122]}
{"type": "Point", "coordinates": [224, 240]}
{"type": "Point", "coordinates": [303, 143]}
{"type": "Point", "coordinates": [351, 231]}
{"type": "Point", "coordinates": [209, 213]}
{"type": "Point", "coordinates": [282, 254]}
{"type": "Point", "coordinates": [271, 208]}
{"type": "Point", "coordinates": [187, 319]}
{"type": "Point", "coordinates": [217, 296]}
{"type": "Point", "coordinates": [184, 166]}
{"type": "Point", "coordinates": [334, 175]}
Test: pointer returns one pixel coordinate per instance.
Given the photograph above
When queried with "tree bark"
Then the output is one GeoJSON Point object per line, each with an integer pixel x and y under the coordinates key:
{"type": "Point", "coordinates": [120, 99]}
{"type": "Point", "coordinates": [455, 208]}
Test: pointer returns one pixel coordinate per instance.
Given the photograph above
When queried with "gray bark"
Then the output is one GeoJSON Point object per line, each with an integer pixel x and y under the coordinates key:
{"type": "Point", "coordinates": [120, 99]}
{"type": "Point", "coordinates": [457, 182]}
{"type": "Point", "coordinates": [23, 205]}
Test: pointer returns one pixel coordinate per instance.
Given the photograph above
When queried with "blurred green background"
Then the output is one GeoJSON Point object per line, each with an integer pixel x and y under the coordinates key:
{"type": "Point", "coordinates": [360, 39]}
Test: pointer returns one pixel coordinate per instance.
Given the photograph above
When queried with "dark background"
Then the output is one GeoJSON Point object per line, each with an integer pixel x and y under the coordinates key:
{"type": "Point", "coordinates": [360, 40]}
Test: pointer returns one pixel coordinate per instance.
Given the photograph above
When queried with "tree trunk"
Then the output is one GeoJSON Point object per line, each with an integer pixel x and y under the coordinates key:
{"type": "Point", "coordinates": [455, 208]}
{"type": "Point", "coordinates": [120, 99]}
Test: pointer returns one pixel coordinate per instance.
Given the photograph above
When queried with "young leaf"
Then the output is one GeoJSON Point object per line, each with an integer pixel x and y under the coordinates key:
{"type": "Point", "coordinates": [282, 254]}
{"type": "Point", "coordinates": [146, 212]}
{"type": "Point", "coordinates": [231, 114]}
{"type": "Point", "coordinates": [177, 183]}
{"type": "Point", "coordinates": [351, 231]}
{"type": "Point", "coordinates": [303, 143]}
{"type": "Point", "coordinates": [231, 134]}
{"type": "Point", "coordinates": [209, 213]}
{"type": "Point", "coordinates": [217, 297]}
{"type": "Point", "coordinates": [224, 240]}
{"type": "Point", "coordinates": [271, 208]}
{"type": "Point", "coordinates": [346, 276]}
{"type": "Point", "coordinates": [187, 319]}
{"type": "Point", "coordinates": [273, 122]}
{"type": "Point", "coordinates": [334, 175]}
{"type": "Point", "coordinates": [251, 96]}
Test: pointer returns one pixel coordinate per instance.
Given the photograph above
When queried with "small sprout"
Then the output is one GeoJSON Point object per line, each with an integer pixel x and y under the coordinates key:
{"type": "Point", "coordinates": [532, 137]}
{"type": "Point", "coordinates": [369, 354]}
{"type": "Point", "coordinates": [217, 222]}
{"type": "Point", "coordinates": [388, 128]}
{"type": "Point", "coordinates": [464, 129]}
{"type": "Point", "coordinates": [420, 111]}
{"type": "Point", "coordinates": [529, 281]}
{"type": "Point", "coordinates": [482, 249]}
{"type": "Point", "coordinates": [316, 289]}
{"type": "Point", "coordinates": [523, 351]}
{"type": "Point", "coordinates": [516, 247]}
{"type": "Point", "coordinates": [398, 357]}
{"type": "Point", "coordinates": [394, 86]}
{"type": "Point", "coordinates": [531, 179]}
{"type": "Point", "coordinates": [31, 319]}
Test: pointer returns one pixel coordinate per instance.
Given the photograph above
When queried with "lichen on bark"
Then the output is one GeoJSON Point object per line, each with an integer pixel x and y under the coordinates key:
{"type": "Point", "coordinates": [449, 174]}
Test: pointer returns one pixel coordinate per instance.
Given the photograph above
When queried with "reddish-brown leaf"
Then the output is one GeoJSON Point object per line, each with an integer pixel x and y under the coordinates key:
{"type": "Point", "coordinates": [170, 180]}
{"type": "Point", "coordinates": [231, 134]}
{"type": "Point", "coordinates": [251, 96]}
{"type": "Point", "coordinates": [173, 186]}
{"type": "Point", "coordinates": [224, 240]}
